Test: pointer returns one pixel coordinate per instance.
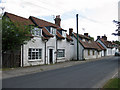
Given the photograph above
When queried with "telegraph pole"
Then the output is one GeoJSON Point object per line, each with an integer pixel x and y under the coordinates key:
{"type": "Point", "coordinates": [2, 8]}
{"type": "Point", "coordinates": [77, 37]}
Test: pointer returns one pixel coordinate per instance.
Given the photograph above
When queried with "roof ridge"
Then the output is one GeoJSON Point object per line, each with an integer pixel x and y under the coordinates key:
{"type": "Point", "coordinates": [44, 21]}
{"type": "Point", "coordinates": [17, 15]}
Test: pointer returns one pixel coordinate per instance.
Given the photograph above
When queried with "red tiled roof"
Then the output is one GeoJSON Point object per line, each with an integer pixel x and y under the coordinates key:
{"type": "Point", "coordinates": [69, 37]}
{"type": "Point", "coordinates": [88, 45]}
{"type": "Point", "coordinates": [45, 38]}
{"type": "Point", "coordinates": [101, 46]}
{"type": "Point", "coordinates": [59, 35]}
{"type": "Point", "coordinates": [42, 23]}
{"type": "Point", "coordinates": [46, 32]}
{"type": "Point", "coordinates": [83, 36]}
{"type": "Point", "coordinates": [108, 44]}
{"type": "Point", "coordinates": [18, 19]}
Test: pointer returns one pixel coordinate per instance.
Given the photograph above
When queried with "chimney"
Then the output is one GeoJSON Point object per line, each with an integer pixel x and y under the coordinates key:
{"type": "Point", "coordinates": [70, 31]}
{"type": "Point", "coordinates": [57, 20]}
{"type": "Point", "coordinates": [104, 37]}
{"type": "Point", "coordinates": [86, 34]}
{"type": "Point", "coordinates": [98, 37]}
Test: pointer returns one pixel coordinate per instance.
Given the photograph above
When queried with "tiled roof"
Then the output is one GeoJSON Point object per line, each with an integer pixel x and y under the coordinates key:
{"type": "Point", "coordinates": [108, 44]}
{"type": "Point", "coordinates": [101, 46]}
{"type": "Point", "coordinates": [59, 36]}
{"type": "Point", "coordinates": [68, 37]}
{"type": "Point", "coordinates": [83, 36]}
{"type": "Point", "coordinates": [18, 19]}
{"type": "Point", "coordinates": [88, 45]}
{"type": "Point", "coordinates": [46, 32]}
{"type": "Point", "coordinates": [45, 38]}
{"type": "Point", "coordinates": [42, 23]}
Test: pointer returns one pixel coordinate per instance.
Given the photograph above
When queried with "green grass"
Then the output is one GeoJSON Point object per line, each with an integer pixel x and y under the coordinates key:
{"type": "Point", "coordinates": [113, 83]}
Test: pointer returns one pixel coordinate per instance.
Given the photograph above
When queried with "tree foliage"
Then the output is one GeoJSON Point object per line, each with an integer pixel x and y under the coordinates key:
{"type": "Point", "coordinates": [117, 42]}
{"type": "Point", "coordinates": [14, 34]}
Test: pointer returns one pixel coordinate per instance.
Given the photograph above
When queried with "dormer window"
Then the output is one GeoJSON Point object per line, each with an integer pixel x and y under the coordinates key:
{"type": "Point", "coordinates": [89, 41]}
{"type": "Point", "coordinates": [63, 33]}
{"type": "Point", "coordinates": [37, 32]}
{"type": "Point", "coordinates": [83, 40]}
{"type": "Point", "coordinates": [53, 31]}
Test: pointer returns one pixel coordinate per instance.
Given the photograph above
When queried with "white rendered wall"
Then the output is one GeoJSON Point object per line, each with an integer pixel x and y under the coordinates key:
{"type": "Point", "coordinates": [37, 44]}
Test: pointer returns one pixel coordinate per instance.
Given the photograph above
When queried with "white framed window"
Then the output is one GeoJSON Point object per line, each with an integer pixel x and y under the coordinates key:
{"type": "Point", "coordinates": [61, 53]}
{"type": "Point", "coordinates": [37, 32]}
{"type": "Point", "coordinates": [34, 54]}
{"type": "Point", "coordinates": [63, 33]}
{"type": "Point", "coordinates": [53, 31]}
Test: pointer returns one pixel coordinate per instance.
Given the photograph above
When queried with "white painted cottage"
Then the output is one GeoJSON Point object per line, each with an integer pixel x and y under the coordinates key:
{"type": "Point", "coordinates": [49, 43]}
{"type": "Point", "coordinates": [108, 45]}
{"type": "Point", "coordinates": [88, 49]}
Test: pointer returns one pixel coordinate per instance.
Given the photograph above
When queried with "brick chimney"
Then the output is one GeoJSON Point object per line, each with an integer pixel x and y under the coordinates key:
{"type": "Point", "coordinates": [98, 37]}
{"type": "Point", "coordinates": [57, 20]}
{"type": "Point", "coordinates": [104, 37]}
{"type": "Point", "coordinates": [86, 34]}
{"type": "Point", "coordinates": [70, 31]}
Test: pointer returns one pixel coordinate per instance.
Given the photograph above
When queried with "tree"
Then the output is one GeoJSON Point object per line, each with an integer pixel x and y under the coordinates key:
{"type": "Point", "coordinates": [118, 28]}
{"type": "Point", "coordinates": [14, 34]}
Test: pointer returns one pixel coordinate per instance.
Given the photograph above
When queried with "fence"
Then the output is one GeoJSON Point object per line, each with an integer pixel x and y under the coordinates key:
{"type": "Point", "coordinates": [11, 60]}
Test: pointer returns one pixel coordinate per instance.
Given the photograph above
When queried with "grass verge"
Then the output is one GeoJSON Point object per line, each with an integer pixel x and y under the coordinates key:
{"type": "Point", "coordinates": [113, 83]}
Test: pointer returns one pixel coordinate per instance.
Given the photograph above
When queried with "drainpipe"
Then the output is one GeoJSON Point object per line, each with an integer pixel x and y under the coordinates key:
{"type": "Point", "coordinates": [56, 49]}
{"type": "Point", "coordinates": [45, 50]}
{"type": "Point", "coordinates": [22, 55]}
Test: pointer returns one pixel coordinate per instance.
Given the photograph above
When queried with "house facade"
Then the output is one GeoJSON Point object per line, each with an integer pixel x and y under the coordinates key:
{"type": "Point", "coordinates": [50, 43]}
{"type": "Point", "coordinates": [88, 49]}
{"type": "Point", "coordinates": [108, 45]}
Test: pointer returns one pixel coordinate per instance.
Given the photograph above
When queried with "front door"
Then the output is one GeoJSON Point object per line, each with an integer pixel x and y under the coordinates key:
{"type": "Point", "coordinates": [51, 55]}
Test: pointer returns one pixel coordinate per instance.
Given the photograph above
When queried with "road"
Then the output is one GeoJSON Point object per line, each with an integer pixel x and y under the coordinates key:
{"type": "Point", "coordinates": [86, 75]}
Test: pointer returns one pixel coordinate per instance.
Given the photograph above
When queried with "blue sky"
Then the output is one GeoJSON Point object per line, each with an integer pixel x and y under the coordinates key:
{"type": "Point", "coordinates": [95, 16]}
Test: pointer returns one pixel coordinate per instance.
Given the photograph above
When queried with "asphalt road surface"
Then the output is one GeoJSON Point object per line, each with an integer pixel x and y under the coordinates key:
{"type": "Point", "coordinates": [86, 75]}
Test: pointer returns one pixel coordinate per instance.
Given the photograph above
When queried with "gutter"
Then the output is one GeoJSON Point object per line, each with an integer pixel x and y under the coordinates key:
{"type": "Point", "coordinates": [22, 55]}
{"type": "Point", "coordinates": [56, 48]}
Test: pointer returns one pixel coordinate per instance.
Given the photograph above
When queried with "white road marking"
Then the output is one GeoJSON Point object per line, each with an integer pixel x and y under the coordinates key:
{"type": "Point", "coordinates": [114, 75]}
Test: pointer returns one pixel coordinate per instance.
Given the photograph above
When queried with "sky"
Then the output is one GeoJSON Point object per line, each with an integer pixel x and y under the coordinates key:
{"type": "Point", "coordinates": [95, 16]}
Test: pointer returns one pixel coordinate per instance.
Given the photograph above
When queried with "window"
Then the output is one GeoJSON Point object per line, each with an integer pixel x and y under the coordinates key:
{"type": "Point", "coordinates": [37, 32]}
{"type": "Point", "coordinates": [34, 54]}
{"type": "Point", "coordinates": [61, 53]}
{"type": "Point", "coordinates": [53, 31]}
{"type": "Point", "coordinates": [93, 52]}
{"type": "Point", "coordinates": [63, 33]}
{"type": "Point", "coordinates": [88, 52]}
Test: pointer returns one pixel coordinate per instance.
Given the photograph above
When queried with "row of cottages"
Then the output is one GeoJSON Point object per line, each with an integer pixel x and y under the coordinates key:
{"type": "Point", "coordinates": [110, 48]}
{"type": "Point", "coordinates": [50, 43]}
{"type": "Point", "coordinates": [88, 49]}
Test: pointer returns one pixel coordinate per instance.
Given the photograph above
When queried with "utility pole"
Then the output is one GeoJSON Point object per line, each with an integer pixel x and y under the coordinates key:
{"type": "Point", "coordinates": [2, 8]}
{"type": "Point", "coordinates": [77, 37]}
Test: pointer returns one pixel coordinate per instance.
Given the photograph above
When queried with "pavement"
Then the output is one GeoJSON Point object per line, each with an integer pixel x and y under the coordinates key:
{"type": "Point", "coordinates": [14, 72]}
{"type": "Point", "coordinates": [73, 74]}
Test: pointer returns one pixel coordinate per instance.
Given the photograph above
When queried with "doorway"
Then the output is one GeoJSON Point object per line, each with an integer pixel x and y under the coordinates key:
{"type": "Point", "coordinates": [51, 56]}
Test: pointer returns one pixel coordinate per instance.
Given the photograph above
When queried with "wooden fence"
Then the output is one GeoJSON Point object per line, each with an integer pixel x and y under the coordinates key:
{"type": "Point", "coordinates": [11, 60]}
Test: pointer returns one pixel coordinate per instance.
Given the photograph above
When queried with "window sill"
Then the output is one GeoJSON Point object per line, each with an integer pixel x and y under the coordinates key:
{"type": "Point", "coordinates": [35, 60]}
{"type": "Point", "coordinates": [59, 58]}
